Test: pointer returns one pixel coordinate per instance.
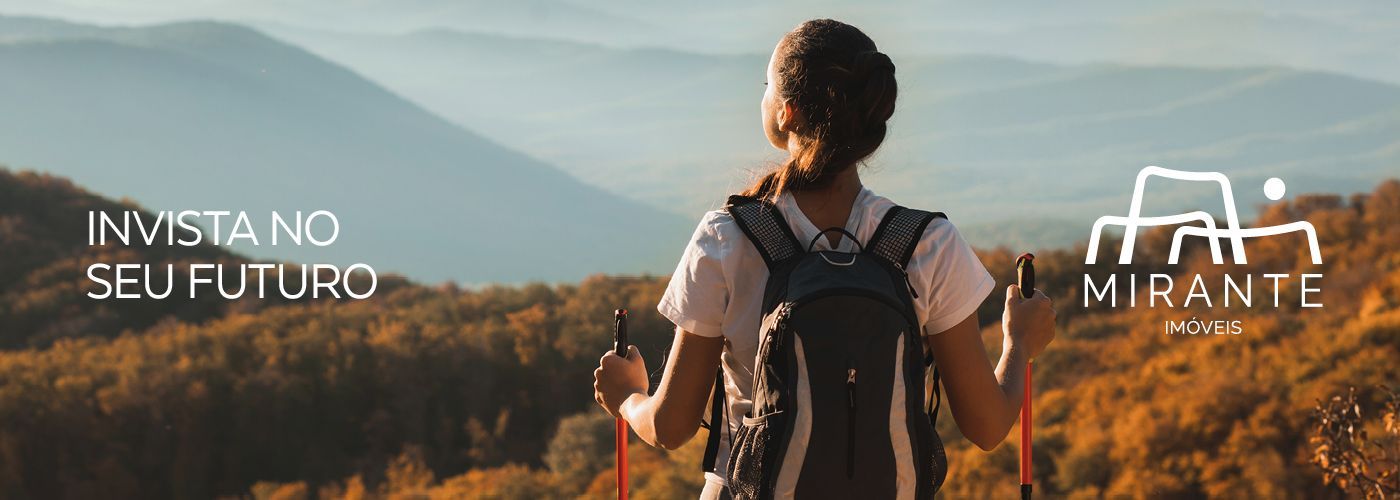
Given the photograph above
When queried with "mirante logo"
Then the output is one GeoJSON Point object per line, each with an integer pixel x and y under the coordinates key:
{"type": "Point", "coordinates": [1160, 286]}
{"type": "Point", "coordinates": [1273, 189]}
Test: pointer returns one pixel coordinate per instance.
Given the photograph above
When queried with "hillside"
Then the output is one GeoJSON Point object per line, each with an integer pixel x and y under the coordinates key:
{"type": "Point", "coordinates": [89, 407]}
{"type": "Point", "coordinates": [489, 391]}
{"type": "Point", "coordinates": [205, 115]}
{"type": "Point", "coordinates": [44, 259]}
{"type": "Point", "coordinates": [1125, 410]}
{"type": "Point", "coordinates": [682, 125]}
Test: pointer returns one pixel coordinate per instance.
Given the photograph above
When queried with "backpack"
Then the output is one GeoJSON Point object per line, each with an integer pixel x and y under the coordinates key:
{"type": "Point", "coordinates": [838, 391]}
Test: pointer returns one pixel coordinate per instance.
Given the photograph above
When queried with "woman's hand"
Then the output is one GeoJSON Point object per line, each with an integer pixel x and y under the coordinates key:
{"type": "Point", "coordinates": [1028, 324]}
{"type": "Point", "coordinates": [617, 379]}
{"type": "Point", "coordinates": [986, 401]}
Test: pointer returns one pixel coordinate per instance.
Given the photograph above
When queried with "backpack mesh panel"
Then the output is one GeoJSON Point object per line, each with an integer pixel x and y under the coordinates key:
{"type": "Point", "coordinates": [765, 228]}
{"type": "Point", "coordinates": [938, 464]}
{"type": "Point", "coordinates": [752, 461]}
{"type": "Point", "coordinates": [900, 230]}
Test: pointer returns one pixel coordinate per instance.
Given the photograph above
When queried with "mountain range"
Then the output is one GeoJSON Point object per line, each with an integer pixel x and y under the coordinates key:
{"type": "Point", "coordinates": [679, 129]}
{"type": "Point", "coordinates": [1355, 38]}
{"type": "Point", "coordinates": [470, 122]}
{"type": "Point", "coordinates": [210, 116]}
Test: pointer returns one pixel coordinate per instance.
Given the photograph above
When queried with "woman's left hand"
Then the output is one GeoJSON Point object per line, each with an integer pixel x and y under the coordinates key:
{"type": "Point", "coordinates": [618, 378]}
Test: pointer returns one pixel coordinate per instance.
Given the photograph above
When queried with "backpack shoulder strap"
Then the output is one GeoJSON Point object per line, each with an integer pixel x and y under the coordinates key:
{"type": "Point", "coordinates": [718, 420]}
{"type": "Point", "coordinates": [765, 227]}
{"type": "Point", "coordinates": [899, 233]}
{"type": "Point", "coordinates": [894, 240]}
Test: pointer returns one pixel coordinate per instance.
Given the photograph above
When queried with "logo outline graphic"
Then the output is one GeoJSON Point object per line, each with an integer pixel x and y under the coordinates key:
{"type": "Point", "coordinates": [1232, 230]}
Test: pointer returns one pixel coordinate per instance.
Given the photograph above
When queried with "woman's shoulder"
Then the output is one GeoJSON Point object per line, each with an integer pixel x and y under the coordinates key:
{"type": "Point", "coordinates": [943, 249]}
{"type": "Point", "coordinates": [941, 230]}
{"type": "Point", "coordinates": [718, 222]}
{"type": "Point", "coordinates": [716, 232]}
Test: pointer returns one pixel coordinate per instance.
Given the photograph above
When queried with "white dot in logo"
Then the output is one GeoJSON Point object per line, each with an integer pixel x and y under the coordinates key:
{"type": "Point", "coordinates": [1274, 188]}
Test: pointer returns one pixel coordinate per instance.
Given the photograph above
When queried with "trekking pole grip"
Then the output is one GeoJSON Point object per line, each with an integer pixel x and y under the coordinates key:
{"type": "Point", "coordinates": [1025, 280]}
{"type": "Point", "coordinates": [620, 348]}
{"type": "Point", "coordinates": [1025, 274]}
{"type": "Point", "coordinates": [620, 332]}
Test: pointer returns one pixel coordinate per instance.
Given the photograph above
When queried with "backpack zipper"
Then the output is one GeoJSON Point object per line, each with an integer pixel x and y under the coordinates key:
{"type": "Point", "coordinates": [850, 419]}
{"type": "Point", "coordinates": [906, 280]}
{"type": "Point", "coordinates": [781, 327]}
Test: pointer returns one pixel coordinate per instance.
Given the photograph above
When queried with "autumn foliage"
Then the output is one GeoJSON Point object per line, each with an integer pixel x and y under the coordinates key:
{"type": "Point", "coordinates": [1353, 457]}
{"type": "Point", "coordinates": [446, 392]}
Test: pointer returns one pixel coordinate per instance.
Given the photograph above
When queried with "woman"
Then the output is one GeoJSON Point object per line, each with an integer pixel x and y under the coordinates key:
{"type": "Point", "coordinates": [829, 95]}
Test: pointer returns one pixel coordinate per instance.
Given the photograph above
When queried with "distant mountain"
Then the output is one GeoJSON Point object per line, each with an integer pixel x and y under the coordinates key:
{"type": "Point", "coordinates": [559, 18]}
{"type": "Point", "coordinates": [1354, 38]}
{"type": "Point", "coordinates": [204, 115]}
{"type": "Point", "coordinates": [632, 120]}
{"type": "Point", "coordinates": [1351, 41]}
{"type": "Point", "coordinates": [680, 129]}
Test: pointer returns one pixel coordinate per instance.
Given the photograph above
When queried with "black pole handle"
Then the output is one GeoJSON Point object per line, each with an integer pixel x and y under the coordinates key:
{"type": "Point", "coordinates": [1025, 275]}
{"type": "Point", "coordinates": [620, 332]}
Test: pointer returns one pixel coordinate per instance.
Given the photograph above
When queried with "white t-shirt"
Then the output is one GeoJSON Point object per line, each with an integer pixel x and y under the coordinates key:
{"type": "Point", "coordinates": [717, 289]}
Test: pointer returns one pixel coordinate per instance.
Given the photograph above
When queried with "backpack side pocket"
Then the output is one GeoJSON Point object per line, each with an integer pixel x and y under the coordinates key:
{"type": "Point", "coordinates": [754, 456]}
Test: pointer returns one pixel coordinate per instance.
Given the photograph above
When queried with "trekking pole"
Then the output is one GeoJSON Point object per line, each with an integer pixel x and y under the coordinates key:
{"type": "Point", "coordinates": [1025, 280]}
{"type": "Point", "coordinates": [620, 348]}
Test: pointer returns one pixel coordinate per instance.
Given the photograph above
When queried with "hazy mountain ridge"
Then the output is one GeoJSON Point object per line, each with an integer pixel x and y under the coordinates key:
{"type": "Point", "coordinates": [574, 20]}
{"type": "Point", "coordinates": [203, 115]}
{"type": "Point", "coordinates": [677, 129]}
{"type": "Point", "coordinates": [1344, 37]}
{"type": "Point", "coordinates": [965, 124]}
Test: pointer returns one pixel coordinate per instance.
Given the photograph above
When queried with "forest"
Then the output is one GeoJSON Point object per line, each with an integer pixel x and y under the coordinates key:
{"type": "Point", "coordinates": [441, 391]}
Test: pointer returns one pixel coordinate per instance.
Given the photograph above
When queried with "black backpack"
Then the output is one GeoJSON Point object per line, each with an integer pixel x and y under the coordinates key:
{"type": "Point", "coordinates": [838, 392]}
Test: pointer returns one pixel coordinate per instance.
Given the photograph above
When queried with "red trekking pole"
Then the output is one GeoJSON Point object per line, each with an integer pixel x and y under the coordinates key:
{"type": "Point", "coordinates": [620, 348]}
{"type": "Point", "coordinates": [1025, 279]}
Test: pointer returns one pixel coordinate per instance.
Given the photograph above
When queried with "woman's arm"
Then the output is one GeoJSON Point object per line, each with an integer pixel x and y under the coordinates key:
{"type": "Point", "coordinates": [985, 402]}
{"type": "Point", "coordinates": [670, 417]}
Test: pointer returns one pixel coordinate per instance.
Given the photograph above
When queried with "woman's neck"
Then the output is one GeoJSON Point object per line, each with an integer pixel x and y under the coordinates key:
{"type": "Point", "coordinates": [830, 205]}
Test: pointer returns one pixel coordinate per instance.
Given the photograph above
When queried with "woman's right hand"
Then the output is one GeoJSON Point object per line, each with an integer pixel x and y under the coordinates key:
{"type": "Point", "coordinates": [1028, 325]}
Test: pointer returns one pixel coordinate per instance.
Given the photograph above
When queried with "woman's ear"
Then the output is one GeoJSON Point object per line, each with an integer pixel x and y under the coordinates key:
{"type": "Point", "coordinates": [788, 117]}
